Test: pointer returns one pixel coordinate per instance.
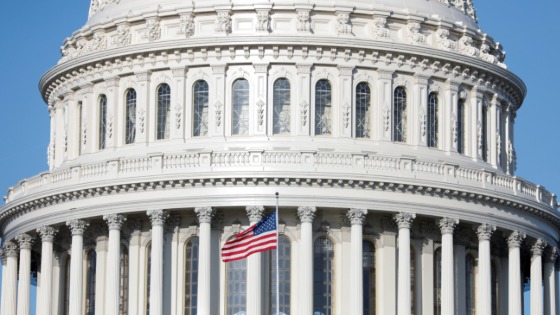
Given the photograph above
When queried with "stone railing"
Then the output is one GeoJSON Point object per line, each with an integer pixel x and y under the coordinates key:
{"type": "Point", "coordinates": [291, 163]}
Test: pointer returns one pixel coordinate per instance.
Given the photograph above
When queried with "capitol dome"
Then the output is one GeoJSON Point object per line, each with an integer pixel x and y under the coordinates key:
{"type": "Point", "coordinates": [386, 127]}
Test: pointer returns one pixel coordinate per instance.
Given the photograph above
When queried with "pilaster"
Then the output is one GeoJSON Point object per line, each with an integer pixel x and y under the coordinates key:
{"type": "Point", "coordinates": [304, 103]}
{"type": "Point", "coordinates": [342, 116]}
{"type": "Point", "coordinates": [383, 113]}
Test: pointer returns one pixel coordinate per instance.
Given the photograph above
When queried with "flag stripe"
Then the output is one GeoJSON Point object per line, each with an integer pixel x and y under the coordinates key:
{"type": "Point", "coordinates": [247, 254]}
{"type": "Point", "coordinates": [264, 242]}
{"type": "Point", "coordinates": [240, 243]}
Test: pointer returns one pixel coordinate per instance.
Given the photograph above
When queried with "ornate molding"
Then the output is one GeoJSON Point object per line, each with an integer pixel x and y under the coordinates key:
{"type": "Point", "coordinates": [77, 227]}
{"type": "Point", "coordinates": [551, 255]}
{"type": "Point", "coordinates": [223, 22]}
{"type": "Point", "coordinates": [205, 214]}
{"type": "Point", "coordinates": [447, 225]}
{"type": "Point", "coordinates": [47, 233]}
{"type": "Point", "coordinates": [114, 221]}
{"type": "Point", "coordinates": [158, 217]}
{"type": "Point", "coordinates": [306, 214]}
{"type": "Point", "coordinates": [485, 231]}
{"type": "Point", "coordinates": [538, 247]}
{"type": "Point", "coordinates": [255, 213]}
{"type": "Point", "coordinates": [515, 239]}
{"type": "Point", "coordinates": [357, 216]}
{"type": "Point", "coordinates": [404, 220]}
{"type": "Point", "coordinates": [11, 249]}
{"type": "Point", "coordinates": [25, 241]}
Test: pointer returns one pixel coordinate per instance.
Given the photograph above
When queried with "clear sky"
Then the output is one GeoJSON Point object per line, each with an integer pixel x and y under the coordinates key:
{"type": "Point", "coordinates": [31, 33]}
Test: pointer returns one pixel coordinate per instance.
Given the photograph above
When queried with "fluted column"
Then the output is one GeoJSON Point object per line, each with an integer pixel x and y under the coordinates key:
{"type": "Point", "coordinates": [112, 290]}
{"type": "Point", "coordinates": [204, 301]}
{"type": "Point", "coordinates": [515, 283]}
{"type": "Point", "coordinates": [44, 294]}
{"type": "Point", "coordinates": [357, 218]}
{"type": "Point", "coordinates": [25, 242]}
{"type": "Point", "coordinates": [77, 227]}
{"type": "Point", "coordinates": [404, 222]}
{"type": "Point", "coordinates": [254, 269]}
{"type": "Point", "coordinates": [447, 226]}
{"type": "Point", "coordinates": [4, 260]}
{"type": "Point", "coordinates": [550, 281]}
{"type": "Point", "coordinates": [484, 287]}
{"type": "Point", "coordinates": [9, 304]}
{"type": "Point", "coordinates": [536, 277]}
{"type": "Point", "coordinates": [158, 218]}
{"type": "Point", "coordinates": [306, 216]}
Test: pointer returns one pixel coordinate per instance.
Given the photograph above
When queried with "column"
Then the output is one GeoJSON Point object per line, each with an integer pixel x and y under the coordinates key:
{"type": "Point", "coordinates": [306, 216]}
{"type": "Point", "coordinates": [550, 281]}
{"type": "Point", "coordinates": [9, 303]}
{"type": "Point", "coordinates": [484, 286]}
{"type": "Point", "coordinates": [494, 132]}
{"type": "Point", "coordinates": [515, 283]}
{"type": "Point", "coordinates": [536, 277]}
{"type": "Point", "coordinates": [450, 117]}
{"type": "Point", "coordinates": [447, 226]}
{"type": "Point", "coordinates": [404, 223]}
{"type": "Point", "coordinates": [357, 218]}
{"type": "Point", "coordinates": [77, 227]}
{"type": "Point", "coordinates": [158, 218]}
{"type": "Point", "coordinates": [44, 294]}
{"type": "Point", "coordinates": [420, 121]}
{"type": "Point", "coordinates": [476, 123]}
{"type": "Point", "coordinates": [204, 300]}
{"type": "Point", "coordinates": [4, 259]}
{"type": "Point", "coordinates": [254, 268]}
{"type": "Point", "coordinates": [101, 250]}
{"type": "Point", "coordinates": [112, 290]}
{"type": "Point", "coordinates": [134, 267]}
{"type": "Point", "coordinates": [24, 288]}
{"type": "Point", "coordinates": [59, 133]}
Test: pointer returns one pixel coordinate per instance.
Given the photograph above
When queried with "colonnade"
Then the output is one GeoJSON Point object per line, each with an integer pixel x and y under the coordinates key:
{"type": "Point", "coordinates": [542, 302]}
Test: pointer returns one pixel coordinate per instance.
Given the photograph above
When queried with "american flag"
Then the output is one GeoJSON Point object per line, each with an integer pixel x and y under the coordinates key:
{"type": "Point", "coordinates": [260, 237]}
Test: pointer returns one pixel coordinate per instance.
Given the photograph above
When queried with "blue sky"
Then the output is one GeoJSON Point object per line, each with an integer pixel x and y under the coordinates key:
{"type": "Point", "coordinates": [32, 32]}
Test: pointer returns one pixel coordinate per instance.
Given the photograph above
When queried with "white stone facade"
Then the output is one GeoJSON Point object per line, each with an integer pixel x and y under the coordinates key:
{"type": "Point", "coordinates": [386, 134]}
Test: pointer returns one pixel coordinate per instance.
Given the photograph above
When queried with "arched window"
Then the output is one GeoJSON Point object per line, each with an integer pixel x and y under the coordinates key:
{"type": "Point", "coordinates": [102, 121]}
{"type": "Point", "coordinates": [412, 281]}
{"type": "Point", "coordinates": [470, 282]}
{"type": "Point", "coordinates": [236, 287]}
{"type": "Point", "coordinates": [123, 301]}
{"type": "Point", "coordinates": [495, 288]}
{"type": "Point", "coordinates": [282, 100]}
{"type": "Point", "coordinates": [200, 108]}
{"type": "Point", "coordinates": [437, 282]}
{"type": "Point", "coordinates": [369, 277]}
{"type": "Point", "coordinates": [66, 306]}
{"type": "Point", "coordinates": [191, 276]}
{"type": "Point", "coordinates": [484, 131]}
{"type": "Point", "coordinates": [399, 115]}
{"type": "Point", "coordinates": [148, 276]}
{"type": "Point", "coordinates": [130, 116]}
{"type": "Point", "coordinates": [461, 127]}
{"type": "Point", "coordinates": [323, 103]}
{"type": "Point", "coordinates": [323, 276]}
{"type": "Point", "coordinates": [433, 120]}
{"type": "Point", "coordinates": [163, 111]}
{"type": "Point", "coordinates": [284, 261]}
{"type": "Point", "coordinates": [363, 108]}
{"type": "Point", "coordinates": [240, 115]}
{"type": "Point", "coordinates": [90, 282]}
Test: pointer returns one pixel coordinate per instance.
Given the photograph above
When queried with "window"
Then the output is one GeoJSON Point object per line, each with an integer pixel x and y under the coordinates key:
{"type": "Point", "coordinates": [191, 276]}
{"type": "Point", "coordinates": [163, 111]}
{"type": "Point", "coordinates": [148, 276]}
{"type": "Point", "coordinates": [323, 276]}
{"type": "Point", "coordinates": [369, 277]}
{"type": "Point", "coordinates": [399, 115]}
{"type": "Point", "coordinates": [102, 121]}
{"type": "Point", "coordinates": [437, 282]}
{"type": "Point", "coordinates": [363, 108]}
{"type": "Point", "coordinates": [323, 103]}
{"type": "Point", "coordinates": [461, 127]}
{"type": "Point", "coordinates": [282, 98]}
{"type": "Point", "coordinates": [470, 282]}
{"type": "Point", "coordinates": [412, 281]}
{"type": "Point", "coordinates": [200, 108]}
{"type": "Point", "coordinates": [433, 120]}
{"type": "Point", "coordinates": [240, 107]}
{"type": "Point", "coordinates": [90, 282]}
{"type": "Point", "coordinates": [236, 287]}
{"type": "Point", "coordinates": [130, 116]}
{"type": "Point", "coordinates": [123, 301]}
{"type": "Point", "coordinates": [66, 306]}
{"type": "Point", "coordinates": [284, 261]}
{"type": "Point", "coordinates": [484, 132]}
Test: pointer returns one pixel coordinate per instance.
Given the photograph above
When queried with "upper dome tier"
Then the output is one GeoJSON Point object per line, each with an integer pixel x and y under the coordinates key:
{"type": "Point", "coordinates": [455, 11]}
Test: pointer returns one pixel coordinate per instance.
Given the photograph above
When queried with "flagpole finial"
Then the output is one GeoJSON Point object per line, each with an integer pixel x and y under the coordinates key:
{"type": "Point", "coordinates": [277, 194]}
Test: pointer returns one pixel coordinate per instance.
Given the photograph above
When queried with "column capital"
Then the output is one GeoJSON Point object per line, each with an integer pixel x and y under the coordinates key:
{"type": "Point", "coordinates": [306, 213]}
{"type": "Point", "coordinates": [551, 254]}
{"type": "Point", "coordinates": [205, 214]}
{"type": "Point", "coordinates": [538, 247]}
{"type": "Point", "coordinates": [77, 227]}
{"type": "Point", "coordinates": [515, 239]}
{"type": "Point", "coordinates": [47, 233]}
{"type": "Point", "coordinates": [255, 213]}
{"type": "Point", "coordinates": [11, 249]}
{"type": "Point", "coordinates": [404, 220]}
{"type": "Point", "coordinates": [25, 241]}
{"type": "Point", "coordinates": [357, 216]}
{"type": "Point", "coordinates": [114, 221]}
{"type": "Point", "coordinates": [158, 217]}
{"type": "Point", "coordinates": [3, 257]}
{"type": "Point", "coordinates": [447, 225]}
{"type": "Point", "coordinates": [485, 231]}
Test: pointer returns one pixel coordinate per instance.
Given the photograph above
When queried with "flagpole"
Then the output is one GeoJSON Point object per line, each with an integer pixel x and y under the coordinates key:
{"type": "Point", "coordinates": [277, 259]}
